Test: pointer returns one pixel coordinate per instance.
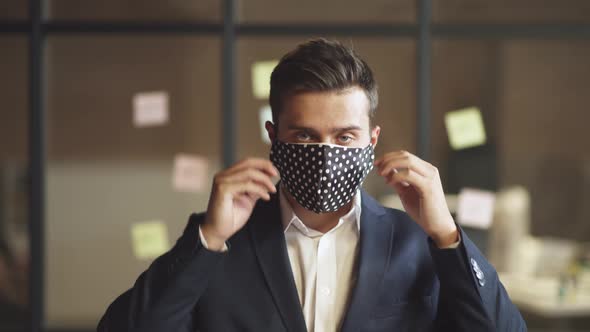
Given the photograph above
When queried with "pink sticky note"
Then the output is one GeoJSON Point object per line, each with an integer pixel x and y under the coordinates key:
{"type": "Point", "coordinates": [190, 173]}
{"type": "Point", "coordinates": [150, 109]}
{"type": "Point", "coordinates": [475, 208]}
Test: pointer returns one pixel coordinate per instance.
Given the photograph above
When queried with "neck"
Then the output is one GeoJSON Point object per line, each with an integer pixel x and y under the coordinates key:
{"type": "Point", "coordinates": [321, 222]}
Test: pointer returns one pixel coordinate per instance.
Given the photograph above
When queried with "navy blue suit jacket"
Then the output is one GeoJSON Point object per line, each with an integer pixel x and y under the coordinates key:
{"type": "Point", "coordinates": [404, 283]}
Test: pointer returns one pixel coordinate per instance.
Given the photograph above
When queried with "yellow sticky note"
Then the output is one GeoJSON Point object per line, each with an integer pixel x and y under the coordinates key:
{"type": "Point", "coordinates": [150, 239]}
{"type": "Point", "coordinates": [465, 128]}
{"type": "Point", "coordinates": [261, 72]}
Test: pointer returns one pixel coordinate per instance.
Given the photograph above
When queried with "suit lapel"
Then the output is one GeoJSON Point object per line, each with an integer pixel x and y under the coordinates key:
{"type": "Point", "coordinates": [271, 250]}
{"type": "Point", "coordinates": [375, 250]}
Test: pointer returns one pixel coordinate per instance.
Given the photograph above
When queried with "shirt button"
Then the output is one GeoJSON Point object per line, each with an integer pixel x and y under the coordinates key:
{"type": "Point", "coordinates": [326, 291]}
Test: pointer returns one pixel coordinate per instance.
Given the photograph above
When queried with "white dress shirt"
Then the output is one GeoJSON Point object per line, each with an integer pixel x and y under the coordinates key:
{"type": "Point", "coordinates": [322, 265]}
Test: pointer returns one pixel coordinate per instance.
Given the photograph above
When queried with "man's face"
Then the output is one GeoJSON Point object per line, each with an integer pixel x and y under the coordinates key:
{"type": "Point", "coordinates": [340, 118]}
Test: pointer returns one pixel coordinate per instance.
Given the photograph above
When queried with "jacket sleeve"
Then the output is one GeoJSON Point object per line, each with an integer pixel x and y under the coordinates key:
{"type": "Point", "coordinates": [163, 297]}
{"type": "Point", "coordinates": [471, 297]}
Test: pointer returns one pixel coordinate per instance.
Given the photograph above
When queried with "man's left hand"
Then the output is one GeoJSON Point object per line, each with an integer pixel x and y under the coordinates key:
{"type": "Point", "coordinates": [418, 184]}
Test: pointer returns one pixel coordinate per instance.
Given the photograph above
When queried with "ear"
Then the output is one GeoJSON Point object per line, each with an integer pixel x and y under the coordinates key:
{"type": "Point", "coordinates": [270, 129]}
{"type": "Point", "coordinates": [375, 135]}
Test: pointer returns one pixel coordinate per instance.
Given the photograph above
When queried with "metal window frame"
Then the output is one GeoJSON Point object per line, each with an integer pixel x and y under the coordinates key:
{"type": "Point", "coordinates": [423, 32]}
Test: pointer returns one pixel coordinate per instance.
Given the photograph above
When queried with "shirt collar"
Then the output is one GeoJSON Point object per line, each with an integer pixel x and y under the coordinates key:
{"type": "Point", "coordinates": [289, 218]}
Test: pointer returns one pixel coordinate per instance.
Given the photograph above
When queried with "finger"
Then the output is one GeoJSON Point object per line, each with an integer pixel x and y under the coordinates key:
{"type": "Point", "coordinates": [389, 155]}
{"type": "Point", "coordinates": [264, 165]}
{"type": "Point", "coordinates": [246, 199]}
{"type": "Point", "coordinates": [410, 177]}
{"type": "Point", "coordinates": [400, 185]}
{"type": "Point", "coordinates": [248, 187]}
{"type": "Point", "coordinates": [253, 175]}
{"type": "Point", "coordinates": [405, 161]}
{"type": "Point", "coordinates": [243, 192]}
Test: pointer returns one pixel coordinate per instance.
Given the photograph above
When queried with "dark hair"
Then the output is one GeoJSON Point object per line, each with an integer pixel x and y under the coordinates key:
{"type": "Point", "coordinates": [321, 65]}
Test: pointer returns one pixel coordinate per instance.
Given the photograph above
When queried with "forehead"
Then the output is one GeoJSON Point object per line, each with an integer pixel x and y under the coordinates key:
{"type": "Point", "coordinates": [326, 109]}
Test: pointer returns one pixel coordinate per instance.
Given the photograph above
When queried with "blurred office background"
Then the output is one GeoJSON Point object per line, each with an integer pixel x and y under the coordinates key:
{"type": "Point", "coordinates": [115, 114]}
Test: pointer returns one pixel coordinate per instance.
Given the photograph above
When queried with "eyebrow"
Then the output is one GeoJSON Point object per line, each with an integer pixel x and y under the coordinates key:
{"type": "Point", "coordinates": [333, 130]}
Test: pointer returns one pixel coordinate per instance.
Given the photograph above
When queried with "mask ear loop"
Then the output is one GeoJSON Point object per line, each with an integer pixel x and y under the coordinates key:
{"type": "Point", "coordinates": [276, 130]}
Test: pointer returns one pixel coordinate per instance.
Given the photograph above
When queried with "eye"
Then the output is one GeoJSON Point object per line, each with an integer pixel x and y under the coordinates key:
{"type": "Point", "coordinates": [302, 136]}
{"type": "Point", "coordinates": [345, 138]}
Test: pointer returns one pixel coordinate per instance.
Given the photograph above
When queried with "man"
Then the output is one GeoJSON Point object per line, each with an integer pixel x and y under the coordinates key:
{"type": "Point", "coordinates": [316, 252]}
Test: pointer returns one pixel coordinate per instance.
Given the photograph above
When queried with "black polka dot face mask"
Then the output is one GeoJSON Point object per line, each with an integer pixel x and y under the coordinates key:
{"type": "Point", "coordinates": [321, 177]}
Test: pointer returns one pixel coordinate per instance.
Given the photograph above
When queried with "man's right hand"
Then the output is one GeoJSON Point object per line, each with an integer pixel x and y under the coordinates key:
{"type": "Point", "coordinates": [233, 196]}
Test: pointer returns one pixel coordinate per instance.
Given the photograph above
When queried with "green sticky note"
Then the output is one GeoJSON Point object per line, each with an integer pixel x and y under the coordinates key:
{"type": "Point", "coordinates": [261, 72]}
{"type": "Point", "coordinates": [149, 239]}
{"type": "Point", "coordinates": [465, 128]}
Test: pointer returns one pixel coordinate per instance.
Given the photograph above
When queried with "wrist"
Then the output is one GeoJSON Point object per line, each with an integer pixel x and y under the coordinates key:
{"type": "Point", "coordinates": [214, 242]}
{"type": "Point", "coordinates": [445, 236]}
